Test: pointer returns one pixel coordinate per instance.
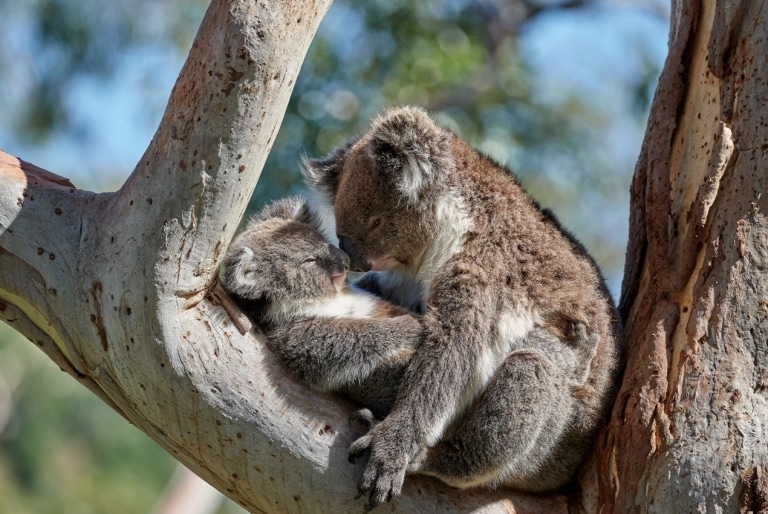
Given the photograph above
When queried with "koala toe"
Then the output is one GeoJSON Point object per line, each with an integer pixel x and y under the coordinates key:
{"type": "Point", "coordinates": [358, 448]}
{"type": "Point", "coordinates": [385, 485]}
{"type": "Point", "coordinates": [362, 420]}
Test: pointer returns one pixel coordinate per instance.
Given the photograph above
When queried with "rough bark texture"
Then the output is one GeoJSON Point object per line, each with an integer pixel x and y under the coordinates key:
{"type": "Point", "coordinates": [690, 426]}
{"type": "Point", "coordinates": [114, 287]}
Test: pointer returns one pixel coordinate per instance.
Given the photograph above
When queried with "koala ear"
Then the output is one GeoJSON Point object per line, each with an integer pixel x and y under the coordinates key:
{"type": "Point", "coordinates": [236, 279]}
{"type": "Point", "coordinates": [406, 141]}
{"type": "Point", "coordinates": [292, 208]}
{"type": "Point", "coordinates": [305, 213]}
{"type": "Point", "coordinates": [283, 209]}
{"type": "Point", "coordinates": [322, 175]}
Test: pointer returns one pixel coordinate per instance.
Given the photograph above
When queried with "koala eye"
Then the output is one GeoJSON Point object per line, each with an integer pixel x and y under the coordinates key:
{"type": "Point", "coordinates": [310, 260]}
{"type": "Point", "coordinates": [375, 223]}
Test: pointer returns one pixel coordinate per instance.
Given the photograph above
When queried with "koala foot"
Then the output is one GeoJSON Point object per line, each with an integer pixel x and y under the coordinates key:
{"type": "Point", "coordinates": [586, 344]}
{"type": "Point", "coordinates": [385, 470]}
{"type": "Point", "coordinates": [363, 420]}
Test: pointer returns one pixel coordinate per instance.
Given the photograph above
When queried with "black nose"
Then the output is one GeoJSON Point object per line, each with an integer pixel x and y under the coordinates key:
{"type": "Point", "coordinates": [340, 257]}
{"type": "Point", "coordinates": [357, 263]}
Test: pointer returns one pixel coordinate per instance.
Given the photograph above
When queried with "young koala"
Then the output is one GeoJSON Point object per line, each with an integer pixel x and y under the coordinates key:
{"type": "Point", "coordinates": [518, 365]}
{"type": "Point", "coordinates": [291, 281]}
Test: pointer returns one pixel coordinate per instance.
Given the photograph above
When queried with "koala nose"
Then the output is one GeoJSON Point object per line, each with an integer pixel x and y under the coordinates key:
{"type": "Point", "coordinates": [357, 262]}
{"type": "Point", "coordinates": [341, 257]}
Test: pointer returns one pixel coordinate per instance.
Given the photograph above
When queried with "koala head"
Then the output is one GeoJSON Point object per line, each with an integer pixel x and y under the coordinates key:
{"type": "Point", "coordinates": [283, 255]}
{"type": "Point", "coordinates": [383, 187]}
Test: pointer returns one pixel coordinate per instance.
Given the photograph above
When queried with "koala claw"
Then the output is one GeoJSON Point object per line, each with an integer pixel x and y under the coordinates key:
{"type": "Point", "coordinates": [382, 482]}
{"type": "Point", "coordinates": [578, 331]}
{"type": "Point", "coordinates": [384, 473]}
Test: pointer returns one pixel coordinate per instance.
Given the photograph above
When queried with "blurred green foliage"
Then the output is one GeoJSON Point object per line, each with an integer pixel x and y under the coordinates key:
{"type": "Point", "coordinates": [61, 450]}
{"type": "Point", "coordinates": [72, 40]}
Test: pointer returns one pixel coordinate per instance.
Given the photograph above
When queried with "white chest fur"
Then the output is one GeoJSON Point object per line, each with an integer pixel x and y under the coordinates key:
{"type": "Point", "coordinates": [453, 223]}
{"type": "Point", "coordinates": [342, 305]}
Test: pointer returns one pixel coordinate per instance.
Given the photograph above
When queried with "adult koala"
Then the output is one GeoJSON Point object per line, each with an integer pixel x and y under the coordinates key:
{"type": "Point", "coordinates": [506, 389]}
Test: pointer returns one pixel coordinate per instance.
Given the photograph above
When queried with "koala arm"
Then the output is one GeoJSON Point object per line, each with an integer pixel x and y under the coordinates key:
{"type": "Point", "coordinates": [328, 354]}
{"type": "Point", "coordinates": [399, 289]}
{"type": "Point", "coordinates": [457, 328]}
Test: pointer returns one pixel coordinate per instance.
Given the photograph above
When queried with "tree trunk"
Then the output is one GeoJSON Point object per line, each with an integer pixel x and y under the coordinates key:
{"type": "Point", "coordinates": [115, 287]}
{"type": "Point", "coordinates": [690, 425]}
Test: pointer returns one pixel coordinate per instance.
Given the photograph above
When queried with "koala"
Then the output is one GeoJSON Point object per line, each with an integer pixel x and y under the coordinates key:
{"type": "Point", "coordinates": [291, 281]}
{"type": "Point", "coordinates": [522, 342]}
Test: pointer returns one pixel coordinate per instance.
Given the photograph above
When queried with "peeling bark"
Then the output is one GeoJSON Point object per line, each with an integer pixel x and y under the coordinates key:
{"type": "Point", "coordinates": [691, 421]}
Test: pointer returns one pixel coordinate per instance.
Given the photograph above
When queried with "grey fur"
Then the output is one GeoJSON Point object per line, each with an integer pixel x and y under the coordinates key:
{"type": "Point", "coordinates": [362, 355]}
{"type": "Point", "coordinates": [281, 271]}
{"type": "Point", "coordinates": [522, 341]}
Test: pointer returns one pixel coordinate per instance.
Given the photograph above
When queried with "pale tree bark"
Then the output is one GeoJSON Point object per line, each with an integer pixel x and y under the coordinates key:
{"type": "Point", "coordinates": [115, 287]}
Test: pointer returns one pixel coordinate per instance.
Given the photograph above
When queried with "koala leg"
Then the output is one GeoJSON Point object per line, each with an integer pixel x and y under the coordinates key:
{"type": "Point", "coordinates": [510, 433]}
{"type": "Point", "coordinates": [586, 346]}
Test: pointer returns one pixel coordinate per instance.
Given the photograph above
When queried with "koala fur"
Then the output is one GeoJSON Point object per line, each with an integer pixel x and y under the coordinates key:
{"type": "Point", "coordinates": [291, 281]}
{"type": "Point", "coordinates": [519, 361]}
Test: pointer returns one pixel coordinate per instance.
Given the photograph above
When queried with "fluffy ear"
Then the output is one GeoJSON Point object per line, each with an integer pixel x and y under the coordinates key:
{"type": "Point", "coordinates": [238, 278]}
{"type": "Point", "coordinates": [292, 208]}
{"type": "Point", "coordinates": [406, 141]}
{"type": "Point", "coordinates": [322, 175]}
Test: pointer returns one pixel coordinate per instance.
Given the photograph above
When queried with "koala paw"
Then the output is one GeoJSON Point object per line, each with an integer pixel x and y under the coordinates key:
{"type": "Point", "coordinates": [384, 473]}
{"type": "Point", "coordinates": [586, 344]}
{"type": "Point", "coordinates": [363, 420]}
{"type": "Point", "coordinates": [359, 447]}
{"type": "Point", "coordinates": [577, 332]}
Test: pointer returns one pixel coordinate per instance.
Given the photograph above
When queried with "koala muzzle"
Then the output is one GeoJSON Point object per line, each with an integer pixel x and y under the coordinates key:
{"type": "Point", "coordinates": [357, 263]}
{"type": "Point", "coordinates": [340, 258]}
